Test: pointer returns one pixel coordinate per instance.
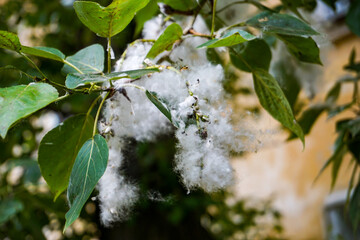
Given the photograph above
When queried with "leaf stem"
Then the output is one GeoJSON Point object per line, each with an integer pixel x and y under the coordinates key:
{"type": "Point", "coordinates": [109, 56]}
{"type": "Point", "coordinates": [98, 112]}
{"type": "Point", "coordinates": [73, 66]}
{"type": "Point", "coordinates": [36, 67]}
{"type": "Point", "coordinates": [213, 18]}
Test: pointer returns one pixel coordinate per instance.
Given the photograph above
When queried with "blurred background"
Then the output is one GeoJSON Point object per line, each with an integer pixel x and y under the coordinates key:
{"type": "Point", "coordinates": [274, 197]}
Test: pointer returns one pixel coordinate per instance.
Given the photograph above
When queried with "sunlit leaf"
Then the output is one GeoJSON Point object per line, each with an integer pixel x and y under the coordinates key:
{"type": "Point", "coordinates": [20, 101]}
{"type": "Point", "coordinates": [108, 21]}
{"type": "Point", "coordinates": [233, 37]}
{"type": "Point", "coordinates": [9, 41]}
{"type": "Point", "coordinates": [166, 40]}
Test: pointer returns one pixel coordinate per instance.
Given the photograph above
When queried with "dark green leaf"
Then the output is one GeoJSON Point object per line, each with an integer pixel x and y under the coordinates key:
{"type": "Point", "coordinates": [333, 94]}
{"type": "Point", "coordinates": [59, 148]}
{"type": "Point", "coordinates": [9, 41]}
{"type": "Point", "coordinates": [145, 14]}
{"type": "Point", "coordinates": [354, 208]}
{"type": "Point", "coordinates": [88, 60]}
{"type": "Point", "coordinates": [270, 22]}
{"type": "Point", "coordinates": [309, 117]}
{"type": "Point", "coordinates": [166, 40]}
{"type": "Point", "coordinates": [20, 101]}
{"type": "Point", "coordinates": [233, 37]}
{"type": "Point", "coordinates": [338, 109]}
{"type": "Point", "coordinates": [304, 49]}
{"type": "Point", "coordinates": [9, 208]}
{"type": "Point", "coordinates": [214, 57]}
{"type": "Point", "coordinates": [353, 17]}
{"type": "Point", "coordinates": [90, 165]}
{"type": "Point", "coordinates": [77, 80]}
{"type": "Point", "coordinates": [330, 3]}
{"type": "Point", "coordinates": [108, 21]}
{"type": "Point", "coordinates": [44, 52]}
{"type": "Point", "coordinates": [182, 5]}
{"type": "Point", "coordinates": [353, 144]}
{"type": "Point", "coordinates": [336, 159]}
{"type": "Point", "coordinates": [152, 96]}
{"type": "Point", "coordinates": [255, 53]}
{"type": "Point", "coordinates": [284, 72]}
{"type": "Point", "coordinates": [274, 101]}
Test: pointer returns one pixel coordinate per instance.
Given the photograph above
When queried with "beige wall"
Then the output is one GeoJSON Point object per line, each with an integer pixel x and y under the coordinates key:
{"type": "Point", "coordinates": [285, 173]}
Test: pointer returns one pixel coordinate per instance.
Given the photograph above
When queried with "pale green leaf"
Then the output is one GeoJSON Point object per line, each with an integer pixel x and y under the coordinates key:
{"type": "Point", "coordinates": [20, 101]}
{"type": "Point", "coordinates": [108, 21]}
{"type": "Point", "coordinates": [273, 100]}
{"type": "Point", "coordinates": [270, 22]}
{"type": "Point", "coordinates": [166, 40]}
{"type": "Point", "coordinates": [77, 80]}
{"type": "Point", "coordinates": [88, 60]}
{"type": "Point", "coordinates": [9, 208]}
{"type": "Point", "coordinates": [230, 38]}
{"type": "Point", "coordinates": [90, 165]}
{"type": "Point", "coordinates": [44, 52]}
{"type": "Point", "coordinates": [59, 148]}
{"type": "Point", "coordinates": [9, 41]}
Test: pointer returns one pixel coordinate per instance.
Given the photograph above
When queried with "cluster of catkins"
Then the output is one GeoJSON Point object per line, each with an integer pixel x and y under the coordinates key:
{"type": "Point", "coordinates": [196, 100]}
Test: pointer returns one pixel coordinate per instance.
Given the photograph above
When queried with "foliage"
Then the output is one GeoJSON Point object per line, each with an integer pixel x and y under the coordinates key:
{"type": "Point", "coordinates": [84, 153]}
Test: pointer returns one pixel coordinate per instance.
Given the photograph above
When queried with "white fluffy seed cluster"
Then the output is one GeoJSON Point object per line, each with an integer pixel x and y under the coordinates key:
{"type": "Point", "coordinates": [195, 97]}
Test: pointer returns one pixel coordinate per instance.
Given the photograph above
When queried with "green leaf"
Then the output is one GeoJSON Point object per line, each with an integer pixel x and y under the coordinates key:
{"type": "Point", "coordinates": [166, 40]}
{"type": "Point", "coordinates": [270, 22]}
{"type": "Point", "coordinates": [331, 3]}
{"type": "Point", "coordinates": [9, 41]}
{"type": "Point", "coordinates": [309, 117]}
{"type": "Point", "coordinates": [58, 150]}
{"type": "Point", "coordinates": [152, 96]}
{"type": "Point", "coordinates": [274, 101]}
{"type": "Point", "coordinates": [44, 52]}
{"type": "Point", "coordinates": [108, 21]}
{"type": "Point", "coordinates": [354, 208]}
{"type": "Point", "coordinates": [90, 165]}
{"type": "Point", "coordinates": [20, 101]}
{"type": "Point", "coordinates": [304, 49]}
{"type": "Point", "coordinates": [333, 94]}
{"type": "Point", "coordinates": [88, 60]}
{"type": "Point", "coordinates": [9, 208]}
{"type": "Point", "coordinates": [353, 17]}
{"type": "Point", "coordinates": [182, 5]}
{"type": "Point", "coordinates": [338, 109]}
{"type": "Point", "coordinates": [284, 73]}
{"type": "Point", "coordinates": [255, 53]}
{"type": "Point", "coordinates": [233, 37]}
{"type": "Point", "coordinates": [77, 80]}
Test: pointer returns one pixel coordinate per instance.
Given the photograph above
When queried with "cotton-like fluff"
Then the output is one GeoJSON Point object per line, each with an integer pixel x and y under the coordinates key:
{"type": "Point", "coordinates": [193, 94]}
{"type": "Point", "coordinates": [117, 196]}
{"type": "Point", "coordinates": [200, 163]}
